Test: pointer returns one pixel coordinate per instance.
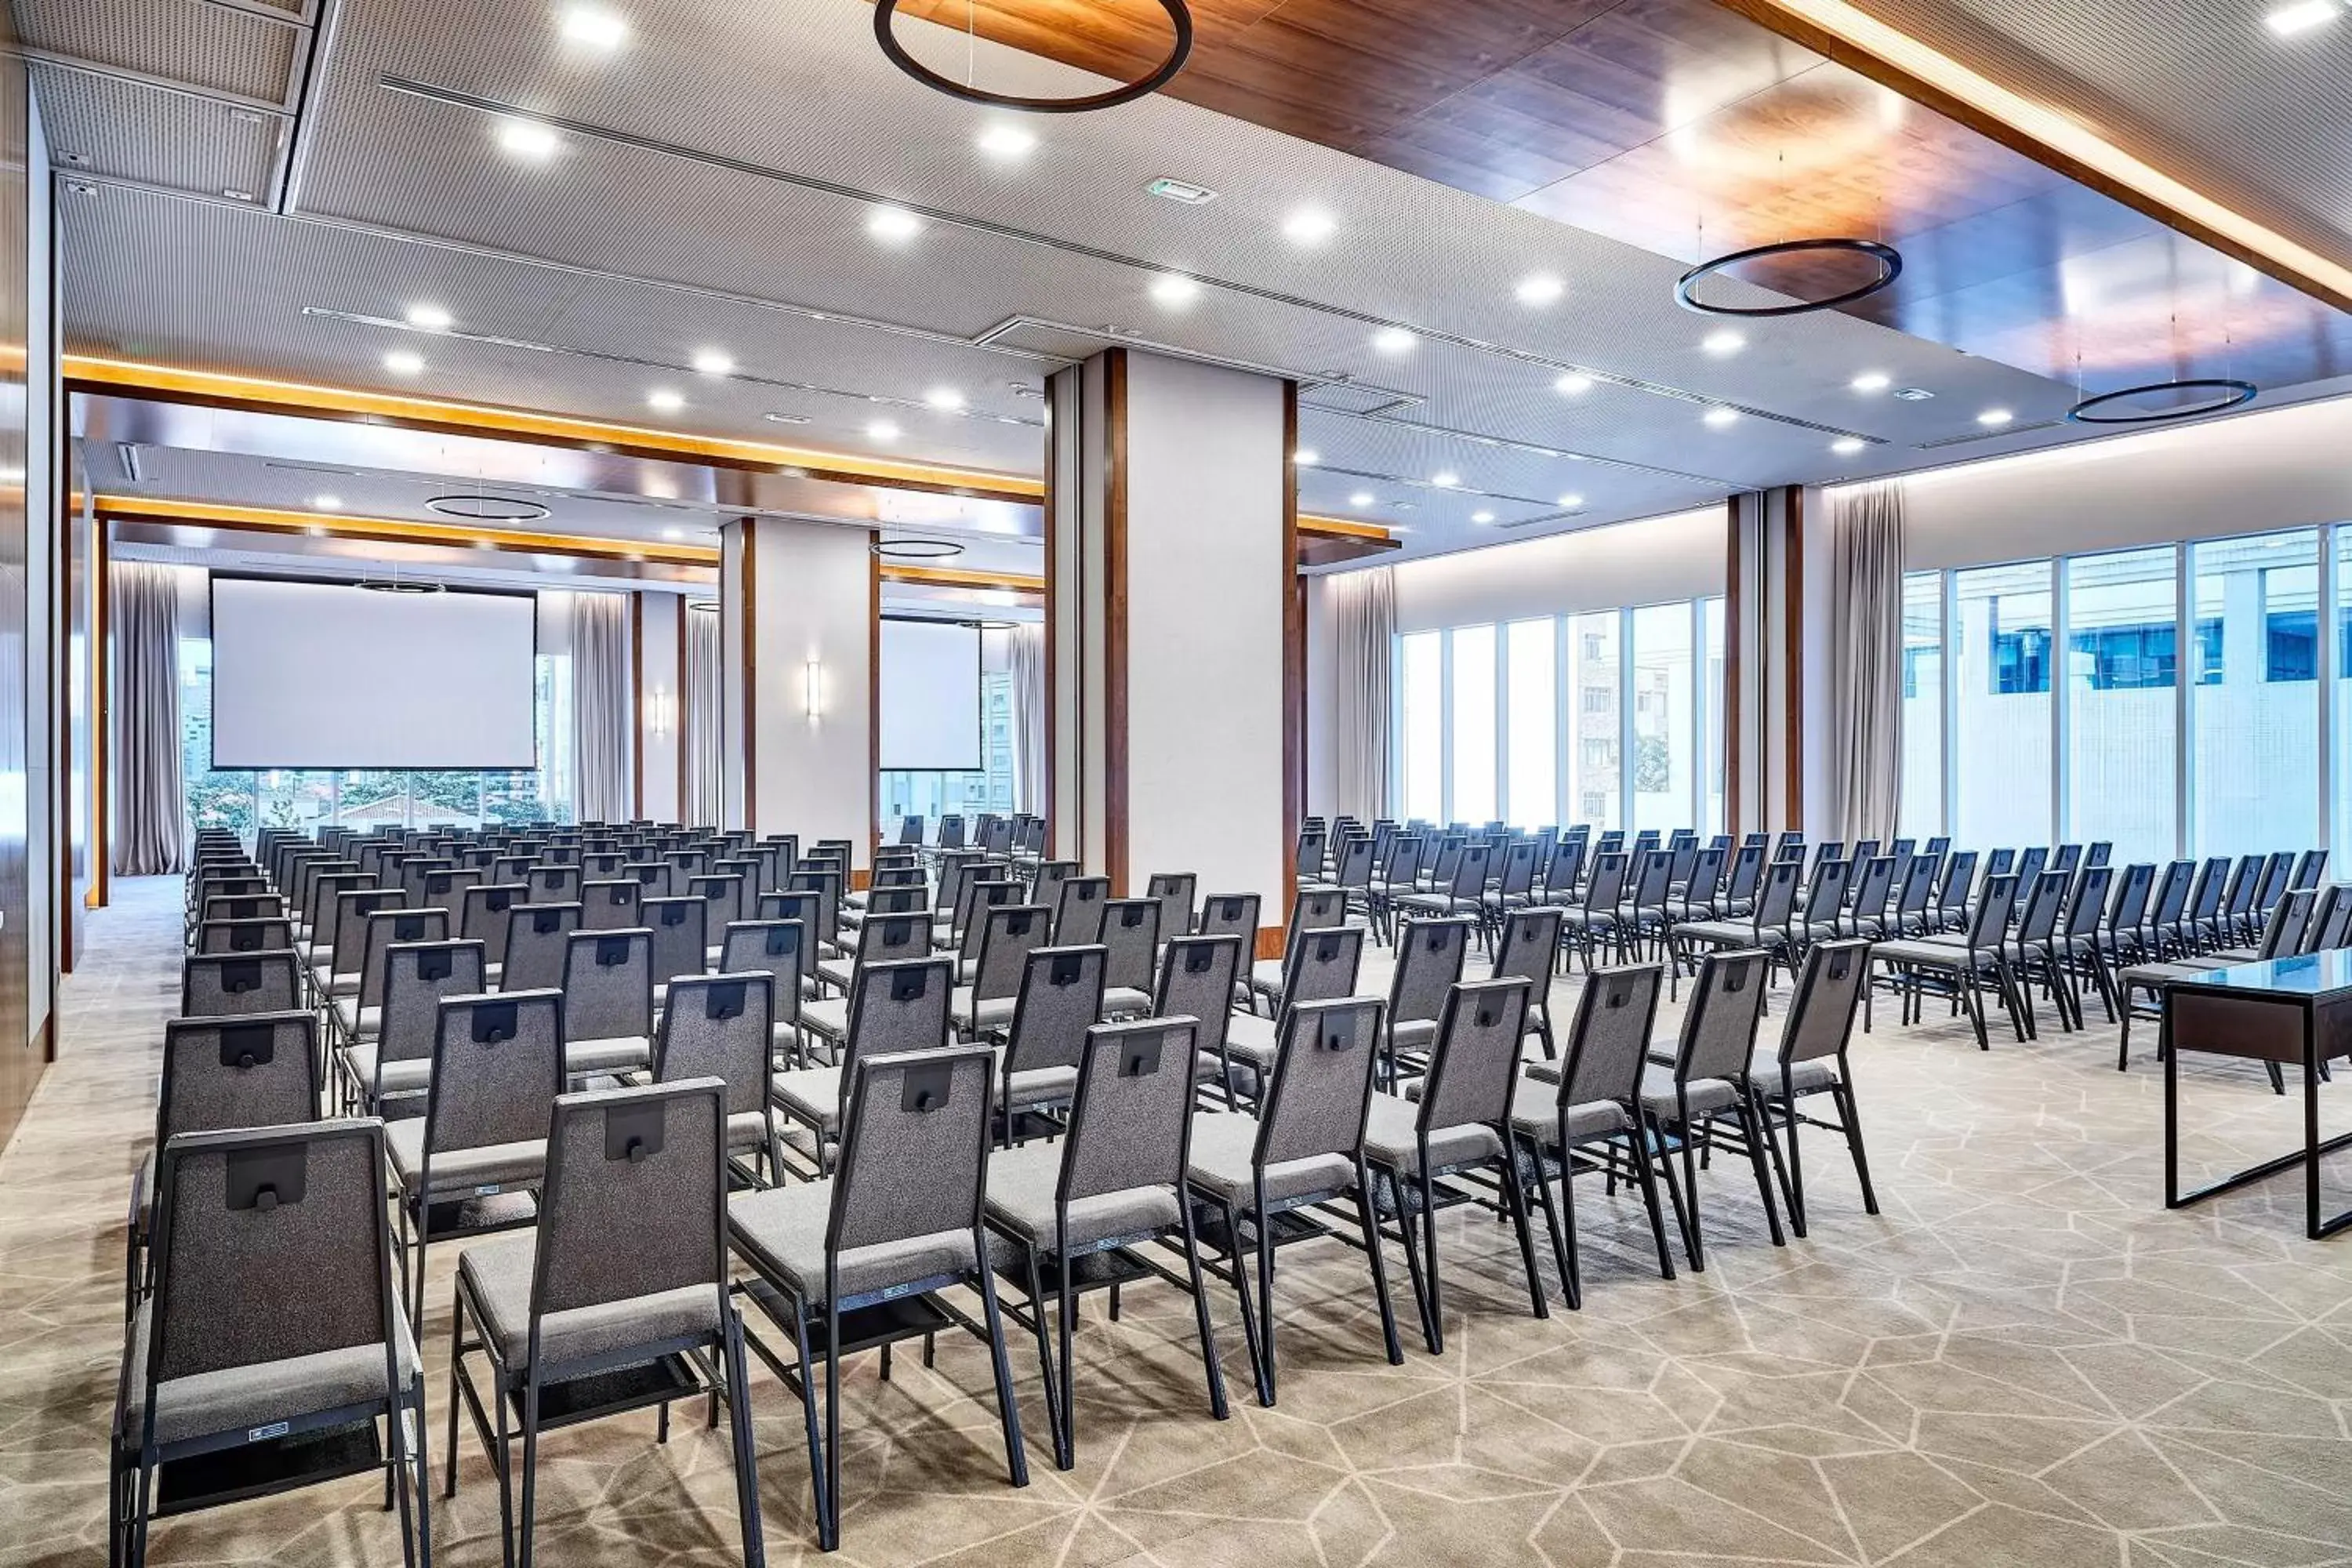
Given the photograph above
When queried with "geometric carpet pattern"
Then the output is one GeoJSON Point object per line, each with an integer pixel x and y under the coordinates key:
{"type": "Point", "coordinates": [2025, 1360]}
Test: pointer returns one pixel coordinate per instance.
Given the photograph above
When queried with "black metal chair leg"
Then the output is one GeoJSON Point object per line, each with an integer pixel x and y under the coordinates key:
{"type": "Point", "coordinates": [1371, 1227]}
{"type": "Point", "coordinates": [1214, 1372]}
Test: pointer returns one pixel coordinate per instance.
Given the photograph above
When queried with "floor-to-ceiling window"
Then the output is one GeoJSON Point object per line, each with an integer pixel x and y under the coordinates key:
{"type": "Point", "coordinates": [1596, 711]}
{"type": "Point", "coordinates": [2122, 696]}
{"type": "Point", "coordinates": [2169, 699]}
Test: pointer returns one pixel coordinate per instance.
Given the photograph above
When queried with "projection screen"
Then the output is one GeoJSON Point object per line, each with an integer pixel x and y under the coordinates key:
{"type": "Point", "coordinates": [931, 696]}
{"type": "Point", "coordinates": [332, 675]}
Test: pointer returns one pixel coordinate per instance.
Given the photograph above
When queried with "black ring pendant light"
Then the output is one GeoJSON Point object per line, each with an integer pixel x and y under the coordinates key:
{"type": "Point", "coordinates": [2227, 393]}
{"type": "Point", "coordinates": [1890, 268]}
{"type": "Point", "coordinates": [1180, 16]}
{"type": "Point", "coordinates": [916, 549]}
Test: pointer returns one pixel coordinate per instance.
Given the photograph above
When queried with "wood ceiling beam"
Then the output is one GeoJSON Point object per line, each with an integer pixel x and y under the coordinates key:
{"type": "Point", "coordinates": [393, 530]}
{"type": "Point", "coordinates": [2043, 132]}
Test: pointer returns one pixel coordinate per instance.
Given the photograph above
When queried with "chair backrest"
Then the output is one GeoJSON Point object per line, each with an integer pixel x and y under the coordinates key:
{"type": "Point", "coordinates": [1313, 908]}
{"type": "Point", "coordinates": [1776, 897]}
{"type": "Point", "coordinates": [2067, 858]}
{"type": "Point", "coordinates": [1706, 876]}
{"type": "Point", "coordinates": [488, 909]}
{"type": "Point", "coordinates": [778, 947]}
{"type": "Point", "coordinates": [1988, 925]}
{"type": "Point", "coordinates": [1355, 868]}
{"type": "Point", "coordinates": [724, 895]}
{"type": "Point", "coordinates": [1322, 965]}
{"type": "Point", "coordinates": [1007, 935]}
{"type": "Point", "coordinates": [352, 908]}
{"type": "Point", "coordinates": [2205, 897]}
{"type": "Point", "coordinates": [260, 1069]}
{"type": "Point", "coordinates": [1475, 1065]}
{"type": "Point", "coordinates": [1061, 993]}
{"type": "Point", "coordinates": [268, 934]}
{"type": "Point", "coordinates": [2001, 862]}
{"type": "Point", "coordinates": [1429, 956]}
{"type": "Point", "coordinates": [900, 899]}
{"type": "Point", "coordinates": [1077, 910]}
{"type": "Point", "coordinates": [1826, 894]}
{"type": "Point", "coordinates": [536, 936]}
{"type": "Point", "coordinates": [1322, 1085]}
{"type": "Point", "coordinates": [1609, 1042]}
{"type": "Point", "coordinates": [386, 927]}
{"type": "Point", "coordinates": [898, 1007]}
{"type": "Point", "coordinates": [635, 1202]}
{"type": "Point", "coordinates": [2309, 868]}
{"type": "Point", "coordinates": [1130, 1120]}
{"type": "Point", "coordinates": [213, 984]}
{"type": "Point", "coordinates": [1530, 950]}
{"type": "Point", "coordinates": [681, 928]}
{"type": "Point", "coordinates": [2331, 916]}
{"type": "Point", "coordinates": [608, 985]}
{"type": "Point", "coordinates": [1229, 914]}
{"type": "Point", "coordinates": [2038, 921]}
{"type": "Point", "coordinates": [1197, 977]}
{"type": "Point", "coordinates": [1175, 892]}
{"type": "Point", "coordinates": [2088, 900]}
{"type": "Point", "coordinates": [1872, 886]}
{"type": "Point", "coordinates": [2284, 932]}
{"type": "Point", "coordinates": [1959, 874]}
{"type": "Point", "coordinates": [1828, 989]}
{"type": "Point", "coordinates": [416, 976]}
{"type": "Point", "coordinates": [1130, 932]}
{"type": "Point", "coordinates": [2276, 871]}
{"type": "Point", "coordinates": [2029, 861]}
{"type": "Point", "coordinates": [498, 1064]}
{"type": "Point", "coordinates": [884, 937]}
{"type": "Point", "coordinates": [2130, 903]}
{"type": "Point", "coordinates": [914, 1148]}
{"type": "Point", "coordinates": [553, 883]}
{"type": "Point", "coordinates": [1607, 883]}
{"type": "Point", "coordinates": [271, 1243]}
{"type": "Point", "coordinates": [950, 831]}
{"type": "Point", "coordinates": [722, 1027]}
{"type": "Point", "coordinates": [1918, 884]}
{"type": "Point", "coordinates": [1726, 1002]}
{"type": "Point", "coordinates": [611, 905]}
{"type": "Point", "coordinates": [1747, 871]}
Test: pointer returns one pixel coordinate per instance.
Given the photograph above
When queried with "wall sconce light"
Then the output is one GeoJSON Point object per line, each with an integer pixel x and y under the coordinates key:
{"type": "Point", "coordinates": [816, 689]}
{"type": "Point", "coordinates": [661, 712]}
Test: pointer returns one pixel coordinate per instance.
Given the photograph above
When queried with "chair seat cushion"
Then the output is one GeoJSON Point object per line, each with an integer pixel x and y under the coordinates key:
{"type": "Point", "coordinates": [971, 1014]}
{"type": "Point", "coordinates": [1250, 1037]}
{"type": "Point", "coordinates": [1224, 1145]}
{"type": "Point", "coordinates": [1265, 977]}
{"type": "Point", "coordinates": [1389, 1140]}
{"type": "Point", "coordinates": [812, 1095]}
{"type": "Point", "coordinates": [404, 1075]}
{"type": "Point", "coordinates": [1021, 1187]}
{"type": "Point", "coordinates": [1809, 1076]}
{"type": "Point", "coordinates": [1727, 933]}
{"type": "Point", "coordinates": [746, 1130]}
{"type": "Point", "coordinates": [243, 1397]}
{"type": "Point", "coordinates": [1120, 1001]}
{"type": "Point", "coordinates": [838, 972]}
{"type": "Point", "coordinates": [497, 1275]}
{"type": "Point", "coordinates": [1927, 951]}
{"type": "Point", "coordinates": [1535, 1114]}
{"type": "Point", "coordinates": [1707, 1096]}
{"type": "Point", "coordinates": [781, 1233]}
{"type": "Point", "coordinates": [457, 1169]}
{"type": "Point", "coordinates": [829, 1018]}
{"type": "Point", "coordinates": [617, 1053]}
{"type": "Point", "coordinates": [1413, 1034]}
{"type": "Point", "coordinates": [357, 1022]}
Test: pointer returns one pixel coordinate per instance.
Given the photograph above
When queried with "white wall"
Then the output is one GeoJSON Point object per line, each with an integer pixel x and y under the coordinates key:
{"type": "Point", "coordinates": [2284, 467]}
{"type": "Point", "coordinates": [658, 624]}
{"type": "Point", "coordinates": [811, 598]}
{"type": "Point", "coordinates": [1655, 560]}
{"type": "Point", "coordinates": [1206, 584]}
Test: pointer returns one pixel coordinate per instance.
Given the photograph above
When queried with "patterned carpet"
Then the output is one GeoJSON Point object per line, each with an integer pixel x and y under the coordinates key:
{"type": "Point", "coordinates": [2023, 1360]}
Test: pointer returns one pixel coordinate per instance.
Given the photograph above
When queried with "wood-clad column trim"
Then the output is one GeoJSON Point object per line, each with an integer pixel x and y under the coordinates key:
{"type": "Point", "coordinates": [101, 721]}
{"type": "Point", "coordinates": [1115, 773]}
{"type": "Point", "coordinates": [685, 802]}
{"type": "Point", "coordinates": [1056, 430]}
{"type": "Point", "coordinates": [637, 702]}
{"type": "Point", "coordinates": [1793, 657]}
{"type": "Point", "coordinates": [1734, 717]}
{"type": "Point", "coordinates": [1270, 938]}
{"type": "Point", "coordinates": [748, 626]}
{"type": "Point", "coordinates": [873, 707]}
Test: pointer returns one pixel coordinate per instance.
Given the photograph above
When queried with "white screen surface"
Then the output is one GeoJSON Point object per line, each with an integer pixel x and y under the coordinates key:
{"type": "Point", "coordinates": [326, 674]}
{"type": "Point", "coordinates": [931, 696]}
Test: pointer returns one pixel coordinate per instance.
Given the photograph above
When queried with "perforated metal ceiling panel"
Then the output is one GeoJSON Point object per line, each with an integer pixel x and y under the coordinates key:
{"type": "Point", "coordinates": [219, 48]}
{"type": "Point", "coordinates": [106, 126]}
{"type": "Point", "coordinates": [2201, 89]}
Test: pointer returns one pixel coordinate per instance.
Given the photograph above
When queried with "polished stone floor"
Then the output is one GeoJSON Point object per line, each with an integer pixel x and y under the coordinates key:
{"type": "Point", "coordinates": [2023, 1360]}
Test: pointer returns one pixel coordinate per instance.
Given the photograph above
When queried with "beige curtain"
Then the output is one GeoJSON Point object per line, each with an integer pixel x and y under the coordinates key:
{"type": "Point", "coordinates": [600, 707]}
{"type": "Point", "coordinates": [701, 733]}
{"type": "Point", "coordinates": [1865, 660]}
{"type": "Point", "coordinates": [1363, 612]}
{"type": "Point", "coordinates": [1026, 657]}
{"type": "Point", "coordinates": [150, 822]}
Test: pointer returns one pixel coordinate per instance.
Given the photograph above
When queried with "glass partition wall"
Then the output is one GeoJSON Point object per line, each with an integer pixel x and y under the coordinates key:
{"type": "Point", "coordinates": [1563, 719]}
{"type": "Point", "coordinates": [2179, 700]}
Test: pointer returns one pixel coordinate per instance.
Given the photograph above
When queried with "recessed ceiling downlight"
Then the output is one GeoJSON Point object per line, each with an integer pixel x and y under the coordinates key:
{"type": "Point", "coordinates": [475, 506]}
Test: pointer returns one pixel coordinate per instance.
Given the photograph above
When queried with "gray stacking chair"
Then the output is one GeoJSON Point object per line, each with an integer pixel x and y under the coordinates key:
{"type": "Point", "coordinates": [1704, 1082]}
{"type": "Point", "coordinates": [777, 947]}
{"type": "Point", "coordinates": [257, 1069]}
{"type": "Point", "coordinates": [1004, 938]}
{"type": "Point", "coordinates": [901, 1219]}
{"type": "Point", "coordinates": [1962, 964]}
{"type": "Point", "coordinates": [488, 910]}
{"type": "Point", "coordinates": [1130, 930]}
{"type": "Point", "coordinates": [722, 1027]}
{"type": "Point", "coordinates": [1322, 967]}
{"type": "Point", "coordinates": [1175, 891]}
{"type": "Point", "coordinates": [681, 938]}
{"type": "Point", "coordinates": [1462, 1123]}
{"type": "Point", "coordinates": [1429, 959]}
{"type": "Point", "coordinates": [1191, 968]}
{"type": "Point", "coordinates": [357, 1013]}
{"type": "Point", "coordinates": [1593, 1119]}
{"type": "Point", "coordinates": [213, 984]}
{"type": "Point", "coordinates": [1810, 1059]}
{"type": "Point", "coordinates": [273, 1324]}
{"type": "Point", "coordinates": [608, 1002]}
{"type": "Point", "coordinates": [537, 937]}
{"type": "Point", "coordinates": [1586, 928]}
{"type": "Point", "coordinates": [1310, 909]}
{"type": "Point", "coordinates": [498, 1064]}
{"type": "Point", "coordinates": [902, 1005]}
{"type": "Point", "coordinates": [399, 1059]}
{"type": "Point", "coordinates": [882, 937]}
{"type": "Point", "coordinates": [627, 1270]}
{"type": "Point", "coordinates": [1304, 1146]}
{"type": "Point", "coordinates": [1115, 1183]}
{"type": "Point", "coordinates": [1530, 950]}
{"type": "Point", "coordinates": [337, 971]}
{"type": "Point", "coordinates": [610, 905]}
{"type": "Point", "coordinates": [1227, 914]}
{"type": "Point", "coordinates": [268, 934]}
{"type": "Point", "coordinates": [1061, 997]}
{"type": "Point", "coordinates": [553, 884]}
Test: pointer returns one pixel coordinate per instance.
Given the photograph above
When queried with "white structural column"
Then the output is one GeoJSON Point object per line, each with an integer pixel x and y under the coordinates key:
{"type": "Point", "coordinates": [798, 613]}
{"type": "Point", "coordinates": [1778, 637]}
{"type": "Point", "coordinates": [656, 647]}
{"type": "Point", "coordinates": [1175, 634]}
